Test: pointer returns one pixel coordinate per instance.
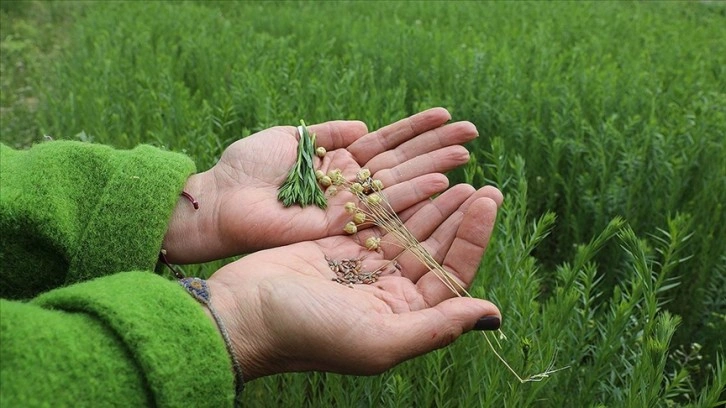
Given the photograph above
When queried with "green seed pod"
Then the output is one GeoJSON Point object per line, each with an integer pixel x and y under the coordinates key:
{"type": "Point", "coordinates": [336, 176]}
{"type": "Point", "coordinates": [377, 185]}
{"type": "Point", "coordinates": [356, 188]}
{"type": "Point", "coordinates": [373, 243]}
{"type": "Point", "coordinates": [359, 218]}
{"type": "Point", "coordinates": [363, 175]}
{"type": "Point", "coordinates": [350, 207]}
{"type": "Point", "coordinates": [374, 199]}
{"type": "Point", "coordinates": [350, 228]}
{"type": "Point", "coordinates": [320, 152]}
{"type": "Point", "coordinates": [325, 181]}
{"type": "Point", "coordinates": [319, 174]}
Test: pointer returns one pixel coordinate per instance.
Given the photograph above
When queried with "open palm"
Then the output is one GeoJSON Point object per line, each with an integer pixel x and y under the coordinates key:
{"type": "Point", "coordinates": [245, 215]}
{"type": "Point", "coordinates": [285, 313]}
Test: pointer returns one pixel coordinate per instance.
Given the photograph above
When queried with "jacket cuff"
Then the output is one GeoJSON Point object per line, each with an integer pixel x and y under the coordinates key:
{"type": "Point", "coordinates": [178, 348]}
{"type": "Point", "coordinates": [136, 204]}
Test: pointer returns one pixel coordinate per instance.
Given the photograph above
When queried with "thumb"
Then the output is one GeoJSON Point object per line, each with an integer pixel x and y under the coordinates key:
{"type": "Point", "coordinates": [429, 329]}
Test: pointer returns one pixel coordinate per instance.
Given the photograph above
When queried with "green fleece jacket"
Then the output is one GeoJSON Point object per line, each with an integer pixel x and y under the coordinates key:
{"type": "Point", "coordinates": [84, 321]}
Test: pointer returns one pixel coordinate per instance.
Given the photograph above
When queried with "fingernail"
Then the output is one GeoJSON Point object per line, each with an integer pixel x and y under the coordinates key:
{"type": "Point", "coordinates": [488, 323]}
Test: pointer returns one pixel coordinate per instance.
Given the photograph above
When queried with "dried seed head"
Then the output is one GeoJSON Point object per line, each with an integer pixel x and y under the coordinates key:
{"type": "Point", "coordinates": [332, 190]}
{"type": "Point", "coordinates": [377, 185]}
{"type": "Point", "coordinates": [356, 188]}
{"type": "Point", "coordinates": [320, 152]}
{"type": "Point", "coordinates": [374, 199]}
{"type": "Point", "coordinates": [350, 207]}
{"type": "Point", "coordinates": [333, 173]}
{"type": "Point", "coordinates": [367, 187]}
{"type": "Point", "coordinates": [373, 243]}
{"type": "Point", "coordinates": [363, 175]}
{"type": "Point", "coordinates": [350, 228]}
{"type": "Point", "coordinates": [319, 174]}
{"type": "Point", "coordinates": [336, 176]}
{"type": "Point", "coordinates": [359, 218]}
{"type": "Point", "coordinates": [325, 181]}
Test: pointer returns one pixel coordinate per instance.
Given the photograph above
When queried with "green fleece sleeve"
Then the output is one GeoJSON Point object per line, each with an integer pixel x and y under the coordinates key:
{"type": "Point", "coordinates": [132, 339]}
{"type": "Point", "coordinates": [71, 211]}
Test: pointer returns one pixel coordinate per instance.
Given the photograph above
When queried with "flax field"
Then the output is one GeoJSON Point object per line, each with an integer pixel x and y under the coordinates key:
{"type": "Point", "coordinates": [603, 123]}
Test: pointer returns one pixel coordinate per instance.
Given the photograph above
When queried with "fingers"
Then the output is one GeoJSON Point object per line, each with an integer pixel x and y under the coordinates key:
{"type": "Point", "coordinates": [338, 134]}
{"type": "Point", "coordinates": [453, 134]}
{"type": "Point", "coordinates": [434, 225]}
{"type": "Point", "coordinates": [404, 195]}
{"type": "Point", "coordinates": [424, 222]}
{"type": "Point", "coordinates": [463, 257]}
{"type": "Point", "coordinates": [408, 335]}
{"type": "Point", "coordinates": [398, 197]}
{"type": "Point", "coordinates": [394, 134]}
{"type": "Point", "coordinates": [415, 263]}
{"type": "Point", "coordinates": [399, 152]}
{"type": "Point", "coordinates": [486, 191]}
{"type": "Point", "coordinates": [438, 161]}
{"type": "Point", "coordinates": [490, 192]}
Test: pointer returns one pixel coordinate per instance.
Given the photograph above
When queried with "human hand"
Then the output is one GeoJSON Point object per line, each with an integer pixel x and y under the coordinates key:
{"type": "Point", "coordinates": [284, 313]}
{"type": "Point", "coordinates": [239, 210]}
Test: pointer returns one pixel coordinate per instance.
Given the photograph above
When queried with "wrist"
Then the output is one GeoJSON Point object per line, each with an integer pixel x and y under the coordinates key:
{"type": "Point", "coordinates": [245, 335]}
{"type": "Point", "coordinates": [199, 289]}
{"type": "Point", "coordinates": [185, 236]}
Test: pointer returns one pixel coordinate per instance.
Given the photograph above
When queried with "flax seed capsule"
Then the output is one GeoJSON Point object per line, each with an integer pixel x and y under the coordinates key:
{"type": "Point", "coordinates": [350, 207]}
{"type": "Point", "coordinates": [334, 174]}
{"type": "Point", "coordinates": [373, 243]}
{"type": "Point", "coordinates": [363, 175]}
{"type": "Point", "coordinates": [356, 188]}
{"type": "Point", "coordinates": [350, 228]}
{"type": "Point", "coordinates": [359, 218]}
{"type": "Point", "coordinates": [374, 199]}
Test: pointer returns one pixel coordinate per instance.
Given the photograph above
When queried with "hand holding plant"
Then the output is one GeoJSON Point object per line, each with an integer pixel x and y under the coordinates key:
{"type": "Point", "coordinates": [239, 207]}
{"type": "Point", "coordinates": [285, 312]}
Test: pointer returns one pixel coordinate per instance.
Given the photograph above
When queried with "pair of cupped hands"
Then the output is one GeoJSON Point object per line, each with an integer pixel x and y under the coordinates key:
{"type": "Point", "coordinates": [279, 304]}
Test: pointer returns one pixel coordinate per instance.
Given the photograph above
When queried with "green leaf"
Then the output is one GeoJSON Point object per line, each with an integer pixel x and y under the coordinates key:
{"type": "Point", "coordinates": [301, 187]}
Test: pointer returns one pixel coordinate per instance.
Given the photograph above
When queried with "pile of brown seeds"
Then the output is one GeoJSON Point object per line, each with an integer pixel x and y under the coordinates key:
{"type": "Point", "coordinates": [348, 272]}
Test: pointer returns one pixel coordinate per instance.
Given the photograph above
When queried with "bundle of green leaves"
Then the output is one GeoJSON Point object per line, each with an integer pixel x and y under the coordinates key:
{"type": "Point", "coordinates": [301, 186]}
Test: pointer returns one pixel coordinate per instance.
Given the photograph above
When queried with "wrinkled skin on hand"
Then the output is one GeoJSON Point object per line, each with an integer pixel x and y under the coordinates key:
{"type": "Point", "coordinates": [284, 313]}
{"type": "Point", "coordinates": [239, 210]}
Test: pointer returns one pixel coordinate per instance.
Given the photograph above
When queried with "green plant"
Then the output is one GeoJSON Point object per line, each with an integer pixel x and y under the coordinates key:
{"type": "Point", "coordinates": [301, 185]}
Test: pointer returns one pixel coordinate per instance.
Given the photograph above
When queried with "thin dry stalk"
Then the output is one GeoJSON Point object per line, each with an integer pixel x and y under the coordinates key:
{"type": "Point", "coordinates": [378, 210]}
